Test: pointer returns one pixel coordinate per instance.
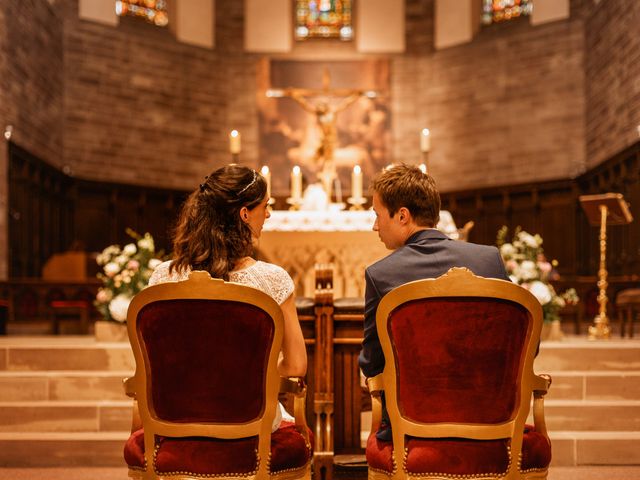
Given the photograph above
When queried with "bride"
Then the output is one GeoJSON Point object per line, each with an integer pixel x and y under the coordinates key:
{"type": "Point", "coordinates": [216, 230]}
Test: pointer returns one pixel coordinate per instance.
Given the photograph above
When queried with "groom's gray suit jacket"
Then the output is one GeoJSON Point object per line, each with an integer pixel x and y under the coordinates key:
{"type": "Point", "coordinates": [426, 254]}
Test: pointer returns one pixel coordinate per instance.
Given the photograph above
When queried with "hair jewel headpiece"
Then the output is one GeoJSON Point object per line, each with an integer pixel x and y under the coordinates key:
{"type": "Point", "coordinates": [255, 177]}
{"type": "Point", "coordinates": [203, 186]}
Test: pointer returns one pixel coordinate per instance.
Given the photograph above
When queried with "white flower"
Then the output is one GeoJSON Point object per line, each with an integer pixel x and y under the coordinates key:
{"type": "Point", "coordinates": [153, 263]}
{"type": "Point", "coordinates": [119, 306]}
{"type": "Point", "coordinates": [529, 240]}
{"type": "Point", "coordinates": [528, 270]}
{"type": "Point", "coordinates": [541, 292]}
{"type": "Point", "coordinates": [111, 268]}
{"type": "Point", "coordinates": [129, 249]}
{"type": "Point", "coordinates": [507, 250]}
{"type": "Point", "coordinates": [111, 250]}
{"type": "Point", "coordinates": [146, 243]}
{"type": "Point", "coordinates": [121, 259]}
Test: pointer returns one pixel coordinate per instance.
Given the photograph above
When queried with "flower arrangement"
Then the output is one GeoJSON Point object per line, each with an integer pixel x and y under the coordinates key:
{"type": "Point", "coordinates": [126, 271]}
{"type": "Point", "coordinates": [527, 266]}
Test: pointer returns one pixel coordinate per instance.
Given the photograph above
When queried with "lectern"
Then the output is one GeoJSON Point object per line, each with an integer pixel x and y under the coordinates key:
{"type": "Point", "coordinates": [604, 209]}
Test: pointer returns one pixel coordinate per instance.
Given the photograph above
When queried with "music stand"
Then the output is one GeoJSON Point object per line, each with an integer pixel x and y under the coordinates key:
{"type": "Point", "coordinates": [604, 209]}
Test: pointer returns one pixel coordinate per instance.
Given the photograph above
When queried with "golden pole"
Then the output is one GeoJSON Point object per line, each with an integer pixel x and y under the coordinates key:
{"type": "Point", "coordinates": [600, 327]}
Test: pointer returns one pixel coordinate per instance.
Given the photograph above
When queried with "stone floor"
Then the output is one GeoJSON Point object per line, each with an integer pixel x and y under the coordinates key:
{"type": "Point", "coordinates": [557, 473]}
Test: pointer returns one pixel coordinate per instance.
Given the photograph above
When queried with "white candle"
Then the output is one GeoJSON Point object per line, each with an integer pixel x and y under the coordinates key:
{"type": "Point", "coordinates": [267, 176]}
{"type": "Point", "coordinates": [234, 142]}
{"type": "Point", "coordinates": [356, 182]}
{"type": "Point", "coordinates": [425, 140]}
{"type": "Point", "coordinates": [296, 183]}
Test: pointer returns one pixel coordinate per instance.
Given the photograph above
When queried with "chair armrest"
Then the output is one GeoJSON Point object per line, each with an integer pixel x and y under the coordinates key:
{"type": "Point", "coordinates": [376, 387]}
{"type": "Point", "coordinates": [298, 388]}
{"type": "Point", "coordinates": [129, 390]}
{"type": "Point", "coordinates": [541, 384]}
{"type": "Point", "coordinates": [375, 384]}
{"type": "Point", "coordinates": [129, 387]}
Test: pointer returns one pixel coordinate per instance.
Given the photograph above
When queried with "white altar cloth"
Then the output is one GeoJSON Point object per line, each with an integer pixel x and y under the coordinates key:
{"type": "Point", "coordinates": [338, 221]}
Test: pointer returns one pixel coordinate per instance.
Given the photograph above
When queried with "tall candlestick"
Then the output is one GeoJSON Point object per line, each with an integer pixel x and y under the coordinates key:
{"type": "Point", "coordinates": [234, 142]}
{"type": "Point", "coordinates": [267, 176]}
{"type": "Point", "coordinates": [296, 183]}
{"type": "Point", "coordinates": [425, 140]}
{"type": "Point", "coordinates": [356, 182]}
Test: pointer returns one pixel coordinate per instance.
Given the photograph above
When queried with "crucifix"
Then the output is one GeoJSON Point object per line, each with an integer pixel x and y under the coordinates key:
{"type": "Point", "coordinates": [325, 104]}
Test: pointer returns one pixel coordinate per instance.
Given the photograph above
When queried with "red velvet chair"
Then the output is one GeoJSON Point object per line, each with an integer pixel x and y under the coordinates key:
{"type": "Point", "coordinates": [206, 385]}
{"type": "Point", "coordinates": [458, 382]}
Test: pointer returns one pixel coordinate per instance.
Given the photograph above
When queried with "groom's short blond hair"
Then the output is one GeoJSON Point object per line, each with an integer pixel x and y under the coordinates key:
{"type": "Point", "coordinates": [407, 186]}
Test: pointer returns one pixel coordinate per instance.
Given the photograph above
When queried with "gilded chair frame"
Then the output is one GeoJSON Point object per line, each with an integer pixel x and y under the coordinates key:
{"type": "Point", "coordinates": [460, 282]}
{"type": "Point", "coordinates": [201, 286]}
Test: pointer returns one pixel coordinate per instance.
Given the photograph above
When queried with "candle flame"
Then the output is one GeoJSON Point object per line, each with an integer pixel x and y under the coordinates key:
{"type": "Point", "coordinates": [296, 169]}
{"type": "Point", "coordinates": [234, 133]}
{"type": "Point", "coordinates": [264, 170]}
{"type": "Point", "coordinates": [425, 132]}
{"type": "Point", "coordinates": [357, 169]}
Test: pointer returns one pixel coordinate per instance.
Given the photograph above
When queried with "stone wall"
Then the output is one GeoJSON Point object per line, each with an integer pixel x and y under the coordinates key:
{"type": "Point", "coordinates": [507, 108]}
{"type": "Point", "coordinates": [31, 90]}
{"type": "Point", "coordinates": [612, 49]}
{"type": "Point", "coordinates": [142, 108]}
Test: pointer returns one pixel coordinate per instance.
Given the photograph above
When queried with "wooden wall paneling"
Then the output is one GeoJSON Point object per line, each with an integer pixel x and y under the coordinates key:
{"type": "Point", "coordinates": [93, 217]}
{"type": "Point", "coordinates": [127, 212]}
{"type": "Point", "coordinates": [557, 220]}
{"type": "Point", "coordinates": [37, 196]}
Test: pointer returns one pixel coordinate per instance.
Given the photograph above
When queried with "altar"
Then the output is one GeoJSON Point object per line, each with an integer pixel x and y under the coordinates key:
{"type": "Point", "coordinates": [297, 240]}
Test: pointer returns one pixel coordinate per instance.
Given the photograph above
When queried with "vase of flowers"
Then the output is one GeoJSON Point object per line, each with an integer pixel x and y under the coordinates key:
{"type": "Point", "coordinates": [528, 266]}
{"type": "Point", "coordinates": [125, 272]}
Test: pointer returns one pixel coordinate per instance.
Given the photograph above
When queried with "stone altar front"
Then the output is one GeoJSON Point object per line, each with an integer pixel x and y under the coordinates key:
{"type": "Point", "coordinates": [297, 240]}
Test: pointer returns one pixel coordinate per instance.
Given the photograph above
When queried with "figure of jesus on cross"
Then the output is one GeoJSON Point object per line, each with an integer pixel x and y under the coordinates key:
{"type": "Point", "coordinates": [320, 104]}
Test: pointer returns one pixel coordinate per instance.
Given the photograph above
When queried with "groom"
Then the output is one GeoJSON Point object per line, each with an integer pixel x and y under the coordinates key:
{"type": "Point", "coordinates": [407, 206]}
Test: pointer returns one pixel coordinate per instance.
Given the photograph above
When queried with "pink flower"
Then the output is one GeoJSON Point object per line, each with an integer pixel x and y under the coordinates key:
{"type": "Point", "coordinates": [545, 267]}
{"type": "Point", "coordinates": [133, 265]}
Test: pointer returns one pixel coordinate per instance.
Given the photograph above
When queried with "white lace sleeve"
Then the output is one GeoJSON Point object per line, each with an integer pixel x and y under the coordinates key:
{"type": "Point", "coordinates": [161, 274]}
{"type": "Point", "coordinates": [282, 286]}
{"type": "Point", "coordinates": [271, 279]}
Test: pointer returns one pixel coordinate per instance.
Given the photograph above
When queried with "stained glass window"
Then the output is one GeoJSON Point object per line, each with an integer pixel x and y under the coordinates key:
{"type": "Point", "coordinates": [324, 19]}
{"type": "Point", "coordinates": [494, 11]}
{"type": "Point", "coordinates": [153, 11]}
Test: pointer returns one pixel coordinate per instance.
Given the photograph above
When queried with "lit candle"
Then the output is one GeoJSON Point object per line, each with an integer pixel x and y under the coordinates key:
{"type": "Point", "coordinates": [356, 182]}
{"type": "Point", "coordinates": [267, 176]}
{"type": "Point", "coordinates": [296, 183]}
{"type": "Point", "coordinates": [423, 167]}
{"type": "Point", "coordinates": [234, 142]}
{"type": "Point", "coordinates": [425, 140]}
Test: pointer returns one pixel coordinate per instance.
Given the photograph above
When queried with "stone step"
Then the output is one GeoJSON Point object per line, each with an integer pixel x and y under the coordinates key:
{"type": "Point", "coordinates": [49, 449]}
{"type": "Point", "coordinates": [594, 385]}
{"type": "Point", "coordinates": [581, 354]}
{"type": "Point", "coordinates": [58, 416]}
{"type": "Point", "coordinates": [575, 448]}
{"type": "Point", "coordinates": [64, 353]}
{"type": "Point", "coordinates": [62, 385]}
{"type": "Point", "coordinates": [591, 415]}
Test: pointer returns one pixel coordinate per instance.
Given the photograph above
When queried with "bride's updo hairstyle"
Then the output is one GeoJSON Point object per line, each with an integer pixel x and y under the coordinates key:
{"type": "Point", "coordinates": [210, 234]}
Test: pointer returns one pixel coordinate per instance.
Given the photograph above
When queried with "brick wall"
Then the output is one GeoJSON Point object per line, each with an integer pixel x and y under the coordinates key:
{"type": "Point", "coordinates": [613, 78]}
{"type": "Point", "coordinates": [139, 106]}
{"type": "Point", "coordinates": [507, 108]}
{"type": "Point", "coordinates": [30, 89]}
